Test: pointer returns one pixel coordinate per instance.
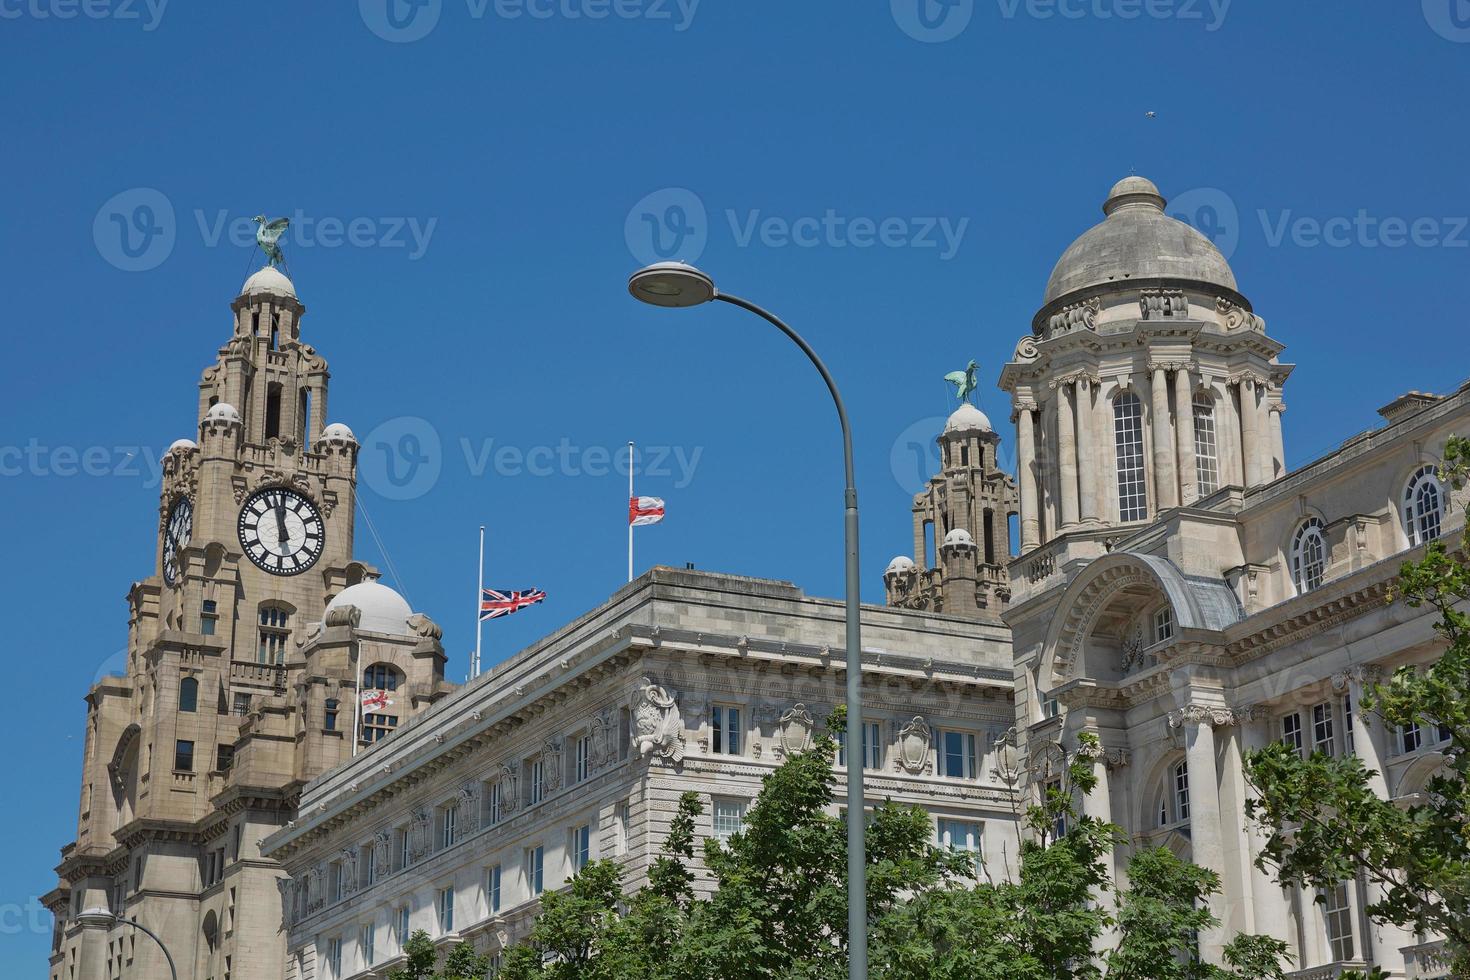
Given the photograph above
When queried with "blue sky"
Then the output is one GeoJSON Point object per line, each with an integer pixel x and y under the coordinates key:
{"type": "Point", "coordinates": [474, 179]}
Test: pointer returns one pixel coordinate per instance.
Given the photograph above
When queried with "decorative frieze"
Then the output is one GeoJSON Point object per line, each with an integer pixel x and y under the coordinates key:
{"type": "Point", "coordinates": [1156, 304]}
{"type": "Point", "coordinates": [1216, 716]}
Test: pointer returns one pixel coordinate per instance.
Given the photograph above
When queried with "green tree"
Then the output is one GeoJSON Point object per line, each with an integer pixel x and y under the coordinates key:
{"type": "Point", "coordinates": [1324, 821]}
{"type": "Point", "coordinates": [462, 962]}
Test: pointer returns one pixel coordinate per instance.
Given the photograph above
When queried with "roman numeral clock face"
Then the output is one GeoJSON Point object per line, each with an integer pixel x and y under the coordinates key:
{"type": "Point", "coordinates": [281, 531]}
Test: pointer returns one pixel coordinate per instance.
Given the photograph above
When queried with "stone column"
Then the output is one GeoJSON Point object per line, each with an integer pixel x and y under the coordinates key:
{"type": "Point", "coordinates": [1088, 463]}
{"type": "Point", "coordinates": [1385, 941]}
{"type": "Point", "coordinates": [1271, 903]}
{"type": "Point", "coordinates": [1067, 455]}
{"type": "Point", "coordinates": [1184, 434]}
{"type": "Point", "coordinates": [1164, 484]}
{"type": "Point", "coordinates": [1098, 805]}
{"type": "Point", "coordinates": [1250, 432]}
{"type": "Point", "coordinates": [1030, 503]}
{"type": "Point", "coordinates": [1278, 442]}
{"type": "Point", "coordinates": [1205, 833]}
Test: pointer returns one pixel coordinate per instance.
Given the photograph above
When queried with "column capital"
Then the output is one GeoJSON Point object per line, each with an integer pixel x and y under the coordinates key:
{"type": "Point", "coordinates": [1216, 716]}
{"type": "Point", "coordinates": [1363, 675]}
{"type": "Point", "coordinates": [1172, 364]}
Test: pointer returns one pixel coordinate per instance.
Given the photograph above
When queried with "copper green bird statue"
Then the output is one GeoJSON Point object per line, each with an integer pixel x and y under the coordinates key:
{"type": "Point", "coordinates": [268, 234]}
{"type": "Point", "coordinates": [964, 381]}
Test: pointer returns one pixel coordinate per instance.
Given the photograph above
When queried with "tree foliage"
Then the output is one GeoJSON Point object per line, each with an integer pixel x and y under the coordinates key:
{"type": "Point", "coordinates": [772, 902]}
{"type": "Point", "coordinates": [461, 963]}
{"type": "Point", "coordinates": [1324, 821]}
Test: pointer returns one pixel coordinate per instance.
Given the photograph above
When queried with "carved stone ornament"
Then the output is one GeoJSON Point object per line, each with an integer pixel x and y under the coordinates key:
{"type": "Point", "coordinates": [316, 889]}
{"type": "Point", "coordinates": [424, 626]}
{"type": "Point", "coordinates": [510, 788]}
{"type": "Point", "coordinates": [469, 810]}
{"type": "Point", "coordinates": [1201, 714]}
{"type": "Point", "coordinates": [1006, 759]}
{"type": "Point", "coordinates": [1026, 350]}
{"type": "Point", "coordinates": [1045, 760]}
{"type": "Point", "coordinates": [1083, 315]}
{"type": "Point", "coordinates": [1155, 304]}
{"type": "Point", "coordinates": [381, 853]}
{"type": "Point", "coordinates": [914, 740]}
{"type": "Point", "coordinates": [345, 615]}
{"type": "Point", "coordinates": [604, 739]}
{"type": "Point", "coordinates": [349, 871]}
{"type": "Point", "coordinates": [551, 753]}
{"type": "Point", "coordinates": [419, 833]}
{"type": "Point", "coordinates": [1235, 316]}
{"type": "Point", "coordinates": [1366, 675]}
{"type": "Point", "coordinates": [796, 727]}
{"type": "Point", "coordinates": [657, 728]}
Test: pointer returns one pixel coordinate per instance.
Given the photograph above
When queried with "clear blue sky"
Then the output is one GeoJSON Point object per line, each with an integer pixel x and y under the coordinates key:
{"type": "Point", "coordinates": [524, 150]}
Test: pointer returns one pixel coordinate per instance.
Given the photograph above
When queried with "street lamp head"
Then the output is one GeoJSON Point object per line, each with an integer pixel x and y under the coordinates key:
{"type": "Point", "coordinates": [96, 917]}
{"type": "Point", "coordinates": [671, 284]}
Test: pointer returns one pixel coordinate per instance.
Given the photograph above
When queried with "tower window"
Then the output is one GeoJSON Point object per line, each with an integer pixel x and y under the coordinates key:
{"type": "Point", "coordinates": [375, 728]}
{"type": "Point", "coordinates": [273, 411]}
{"type": "Point", "coordinates": [380, 677]}
{"type": "Point", "coordinates": [1309, 556]}
{"type": "Point", "coordinates": [1128, 444]}
{"type": "Point", "coordinates": [1206, 449]}
{"type": "Point", "coordinates": [189, 695]}
{"type": "Point", "coordinates": [1423, 506]}
{"type": "Point", "coordinates": [183, 756]}
{"type": "Point", "coordinates": [208, 617]}
{"type": "Point", "coordinates": [329, 715]}
{"type": "Point", "coordinates": [989, 536]}
{"type": "Point", "coordinates": [275, 631]}
{"type": "Point", "coordinates": [275, 332]}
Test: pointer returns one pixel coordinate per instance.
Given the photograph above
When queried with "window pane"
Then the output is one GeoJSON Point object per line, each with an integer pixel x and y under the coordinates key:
{"type": "Point", "coordinates": [1206, 453]}
{"type": "Point", "coordinates": [1128, 445]}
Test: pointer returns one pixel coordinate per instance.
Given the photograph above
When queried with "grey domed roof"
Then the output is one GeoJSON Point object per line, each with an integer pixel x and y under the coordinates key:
{"type": "Point", "coordinates": [382, 609]}
{"type": "Point", "coordinates": [1138, 240]}
{"type": "Point", "coordinates": [967, 418]}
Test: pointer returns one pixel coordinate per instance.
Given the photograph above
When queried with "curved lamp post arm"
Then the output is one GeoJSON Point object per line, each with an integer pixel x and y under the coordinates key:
{"type": "Point", "coordinates": [857, 889]}
{"type": "Point", "coordinates": [154, 936]}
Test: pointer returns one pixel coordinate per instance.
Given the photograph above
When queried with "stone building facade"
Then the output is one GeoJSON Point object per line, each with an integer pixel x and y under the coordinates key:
{"type": "Point", "coordinates": [244, 650]}
{"type": "Point", "coordinates": [1182, 595]}
{"type": "Point", "coordinates": [580, 747]}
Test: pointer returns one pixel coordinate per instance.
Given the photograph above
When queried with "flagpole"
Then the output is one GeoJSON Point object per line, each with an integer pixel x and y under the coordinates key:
{"type": "Point", "coordinates": [356, 692]}
{"type": "Point", "coordinates": [630, 515]}
{"type": "Point", "coordinates": [479, 596]}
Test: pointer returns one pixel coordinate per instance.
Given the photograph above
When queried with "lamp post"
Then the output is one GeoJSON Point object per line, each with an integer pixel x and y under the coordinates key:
{"type": "Point", "coordinates": [677, 285]}
{"type": "Point", "coordinates": [100, 916]}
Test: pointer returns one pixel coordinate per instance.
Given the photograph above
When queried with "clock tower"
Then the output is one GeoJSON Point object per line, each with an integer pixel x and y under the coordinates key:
{"type": "Point", "coordinates": [246, 648]}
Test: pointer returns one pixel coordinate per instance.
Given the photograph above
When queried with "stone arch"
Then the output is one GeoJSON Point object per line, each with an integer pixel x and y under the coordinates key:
{"type": "Point", "coordinates": [122, 769]}
{"type": "Point", "coordinates": [1118, 586]}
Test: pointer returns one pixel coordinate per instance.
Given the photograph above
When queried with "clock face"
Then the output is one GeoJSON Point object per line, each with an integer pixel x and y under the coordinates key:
{"type": "Point", "coordinates": [176, 533]}
{"type": "Point", "coordinates": [281, 531]}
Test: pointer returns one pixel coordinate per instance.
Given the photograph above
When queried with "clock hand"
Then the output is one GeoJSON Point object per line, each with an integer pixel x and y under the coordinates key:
{"type": "Point", "coordinates": [281, 523]}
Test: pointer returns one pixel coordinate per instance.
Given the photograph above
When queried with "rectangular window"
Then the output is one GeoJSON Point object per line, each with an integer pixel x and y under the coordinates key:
{"type": "Point", "coordinates": [872, 746]}
{"type": "Point", "coordinates": [961, 835]}
{"type": "Point", "coordinates": [497, 803]}
{"type": "Point", "coordinates": [1128, 445]}
{"type": "Point", "coordinates": [1206, 453]}
{"type": "Point", "coordinates": [365, 943]}
{"type": "Point", "coordinates": [620, 824]}
{"type": "Point", "coordinates": [492, 890]}
{"type": "Point", "coordinates": [535, 861]}
{"type": "Point", "coordinates": [376, 727]}
{"type": "Point", "coordinates": [241, 704]}
{"type": "Point", "coordinates": [581, 847]}
{"type": "Point", "coordinates": [400, 929]}
{"type": "Point", "coordinates": [1410, 737]}
{"type": "Point", "coordinates": [957, 755]}
{"type": "Point", "coordinates": [338, 880]}
{"type": "Point", "coordinates": [369, 863]}
{"type": "Point", "coordinates": [725, 720]}
{"type": "Point", "coordinates": [1347, 723]}
{"type": "Point", "coordinates": [1291, 731]}
{"type": "Point", "coordinates": [584, 758]}
{"type": "Point", "coordinates": [329, 715]}
{"type": "Point", "coordinates": [448, 816]}
{"type": "Point", "coordinates": [208, 617]}
{"type": "Point", "coordinates": [400, 847]}
{"type": "Point", "coordinates": [334, 958]}
{"type": "Point", "coordinates": [1323, 739]}
{"type": "Point", "coordinates": [1339, 915]}
{"type": "Point", "coordinates": [183, 756]}
{"type": "Point", "coordinates": [538, 780]}
{"type": "Point", "coordinates": [224, 757]}
{"type": "Point", "coordinates": [729, 818]}
{"type": "Point", "coordinates": [444, 904]}
{"type": "Point", "coordinates": [1163, 624]}
{"type": "Point", "coordinates": [1181, 792]}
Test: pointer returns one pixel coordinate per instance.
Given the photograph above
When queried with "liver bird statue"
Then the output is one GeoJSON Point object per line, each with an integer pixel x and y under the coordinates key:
{"type": "Point", "coordinates": [267, 236]}
{"type": "Point", "coordinates": [964, 381]}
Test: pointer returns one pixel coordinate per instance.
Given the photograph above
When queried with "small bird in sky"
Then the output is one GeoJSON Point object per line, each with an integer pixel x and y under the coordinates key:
{"type": "Point", "coordinates": [1152, 115]}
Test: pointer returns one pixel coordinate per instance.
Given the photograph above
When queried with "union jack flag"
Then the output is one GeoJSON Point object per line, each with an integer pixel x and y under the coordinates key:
{"type": "Point", "coordinates": [495, 604]}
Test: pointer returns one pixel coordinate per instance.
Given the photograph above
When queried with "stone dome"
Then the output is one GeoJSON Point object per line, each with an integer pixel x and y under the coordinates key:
{"type": "Point", "coordinates": [902, 563]}
{"type": "Point", "coordinates": [959, 536]}
{"type": "Point", "coordinates": [967, 418]}
{"type": "Point", "coordinates": [269, 280]}
{"type": "Point", "coordinates": [382, 610]}
{"type": "Point", "coordinates": [222, 412]}
{"type": "Point", "coordinates": [187, 445]}
{"type": "Point", "coordinates": [1138, 240]}
{"type": "Point", "coordinates": [338, 432]}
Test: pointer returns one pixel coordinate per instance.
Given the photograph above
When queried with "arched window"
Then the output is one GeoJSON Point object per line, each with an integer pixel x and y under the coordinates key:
{"type": "Point", "coordinates": [1174, 796]}
{"type": "Point", "coordinates": [188, 695]}
{"type": "Point", "coordinates": [1309, 556]}
{"type": "Point", "coordinates": [381, 677]}
{"type": "Point", "coordinates": [1206, 449]}
{"type": "Point", "coordinates": [1128, 443]}
{"type": "Point", "coordinates": [275, 631]}
{"type": "Point", "coordinates": [1423, 506]}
